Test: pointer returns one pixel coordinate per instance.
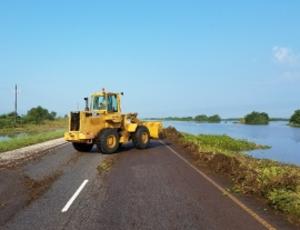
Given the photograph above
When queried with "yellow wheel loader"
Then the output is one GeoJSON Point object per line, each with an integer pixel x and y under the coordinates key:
{"type": "Point", "coordinates": [103, 124]}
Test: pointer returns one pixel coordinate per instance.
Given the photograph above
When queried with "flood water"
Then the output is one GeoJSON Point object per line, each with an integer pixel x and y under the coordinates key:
{"type": "Point", "coordinates": [284, 140]}
{"type": "Point", "coordinates": [6, 137]}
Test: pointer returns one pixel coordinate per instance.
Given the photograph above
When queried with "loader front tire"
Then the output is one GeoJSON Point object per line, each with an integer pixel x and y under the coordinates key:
{"type": "Point", "coordinates": [82, 147]}
{"type": "Point", "coordinates": [109, 141]}
{"type": "Point", "coordinates": [141, 137]}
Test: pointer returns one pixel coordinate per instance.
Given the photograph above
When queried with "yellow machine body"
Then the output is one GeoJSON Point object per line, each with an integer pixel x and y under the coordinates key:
{"type": "Point", "coordinates": [86, 126]}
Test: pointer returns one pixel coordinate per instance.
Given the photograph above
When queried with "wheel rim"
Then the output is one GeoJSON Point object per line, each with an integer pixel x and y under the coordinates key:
{"type": "Point", "coordinates": [145, 137]}
{"type": "Point", "coordinates": [111, 141]}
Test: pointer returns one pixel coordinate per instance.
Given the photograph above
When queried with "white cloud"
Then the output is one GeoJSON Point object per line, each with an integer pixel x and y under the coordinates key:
{"type": "Point", "coordinates": [284, 55]}
{"type": "Point", "coordinates": [288, 63]}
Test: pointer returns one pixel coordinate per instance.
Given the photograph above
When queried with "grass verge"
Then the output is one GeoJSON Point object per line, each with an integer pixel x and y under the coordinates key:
{"type": "Point", "coordinates": [45, 126]}
{"type": "Point", "coordinates": [222, 144]}
{"type": "Point", "coordinates": [277, 183]}
{"type": "Point", "coordinates": [23, 141]}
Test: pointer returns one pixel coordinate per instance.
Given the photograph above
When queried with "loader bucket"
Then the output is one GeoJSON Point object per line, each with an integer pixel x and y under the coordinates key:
{"type": "Point", "coordinates": [154, 127]}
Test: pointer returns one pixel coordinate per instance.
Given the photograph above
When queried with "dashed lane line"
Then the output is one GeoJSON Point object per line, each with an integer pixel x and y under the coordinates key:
{"type": "Point", "coordinates": [73, 198]}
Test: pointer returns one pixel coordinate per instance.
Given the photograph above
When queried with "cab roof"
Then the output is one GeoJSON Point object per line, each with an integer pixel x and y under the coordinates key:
{"type": "Point", "coordinates": [103, 93]}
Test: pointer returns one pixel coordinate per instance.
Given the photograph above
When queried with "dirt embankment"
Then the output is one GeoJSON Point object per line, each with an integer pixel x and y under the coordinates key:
{"type": "Point", "coordinates": [278, 184]}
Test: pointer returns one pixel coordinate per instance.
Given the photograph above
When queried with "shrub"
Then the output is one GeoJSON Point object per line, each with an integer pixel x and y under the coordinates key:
{"type": "Point", "coordinates": [39, 114]}
{"type": "Point", "coordinates": [214, 119]}
{"type": "Point", "coordinates": [201, 118]}
{"type": "Point", "coordinates": [295, 118]}
{"type": "Point", "coordinates": [204, 118]}
{"type": "Point", "coordinates": [256, 118]}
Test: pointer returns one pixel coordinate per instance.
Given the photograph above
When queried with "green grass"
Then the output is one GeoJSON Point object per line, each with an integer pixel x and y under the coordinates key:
{"type": "Point", "coordinates": [45, 126]}
{"type": "Point", "coordinates": [276, 182]}
{"type": "Point", "coordinates": [222, 144]}
{"type": "Point", "coordinates": [30, 139]}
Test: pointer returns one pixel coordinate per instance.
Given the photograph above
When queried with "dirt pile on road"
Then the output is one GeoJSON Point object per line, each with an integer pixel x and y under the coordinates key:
{"type": "Point", "coordinates": [38, 188]}
{"type": "Point", "coordinates": [106, 165]}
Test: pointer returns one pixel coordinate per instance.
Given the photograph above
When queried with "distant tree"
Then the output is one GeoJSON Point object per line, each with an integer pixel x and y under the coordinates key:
{"type": "Point", "coordinates": [214, 119]}
{"type": "Point", "coordinates": [8, 120]}
{"type": "Point", "coordinates": [201, 118]}
{"type": "Point", "coordinates": [39, 114]}
{"type": "Point", "coordinates": [295, 118]}
{"type": "Point", "coordinates": [257, 118]}
{"type": "Point", "coordinates": [52, 115]}
{"type": "Point", "coordinates": [8, 115]}
{"type": "Point", "coordinates": [184, 118]}
{"type": "Point", "coordinates": [204, 118]}
{"type": "Point", "coordinates": [179, 119]}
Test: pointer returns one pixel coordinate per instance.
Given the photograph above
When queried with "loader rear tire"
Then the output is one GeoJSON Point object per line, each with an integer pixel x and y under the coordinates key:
{"type": "Point", "coordinates": [109, 141]}
{"type": "Point", "coordinates": [83, 147]}
{"type": "Point", "coordinates": [141, 137]}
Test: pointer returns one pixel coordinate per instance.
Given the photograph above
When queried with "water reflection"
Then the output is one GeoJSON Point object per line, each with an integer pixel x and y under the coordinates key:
{"type": "Point", "coordinates": [296, 134]}
{"type": "Point", "coordinates": [6, 137]}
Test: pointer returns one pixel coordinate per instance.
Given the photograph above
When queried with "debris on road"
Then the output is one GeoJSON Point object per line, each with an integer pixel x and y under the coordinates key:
{"type": "Point", "coordinates": [38, 188]}
{"type": "Point", "coordinates": [106, 165]}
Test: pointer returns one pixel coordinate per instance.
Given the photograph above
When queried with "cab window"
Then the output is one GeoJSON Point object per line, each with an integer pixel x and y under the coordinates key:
{"type": "Point", "coordinates": [99, 103]}
{"type": "Point", "coordinates": [112, 103]}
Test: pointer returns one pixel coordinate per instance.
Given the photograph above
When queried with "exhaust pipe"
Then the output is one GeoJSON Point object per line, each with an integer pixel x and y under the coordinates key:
{"type": "Point", "coordinates": [86, 104]}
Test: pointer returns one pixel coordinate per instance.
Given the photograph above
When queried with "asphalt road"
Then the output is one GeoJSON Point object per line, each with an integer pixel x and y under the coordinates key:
{"type": "Point", "coordinates": [145, 189]}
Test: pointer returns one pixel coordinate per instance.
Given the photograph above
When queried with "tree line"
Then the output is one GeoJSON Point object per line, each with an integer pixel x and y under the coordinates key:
{"type": "Point", "coordinates": [262, 118]}
{"type": "Point", "coordinates": [253, 118]}
{"type": "Point", "coordinates": [199, 118]}
{"type": "Point", "coordinates": [36, 115]}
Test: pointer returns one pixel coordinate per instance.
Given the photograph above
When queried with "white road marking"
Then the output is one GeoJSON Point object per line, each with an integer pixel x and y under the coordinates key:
{"type": "Point", "coordinates": [73, 198]}
{"type": "Point", "coordinates": [259, 219]}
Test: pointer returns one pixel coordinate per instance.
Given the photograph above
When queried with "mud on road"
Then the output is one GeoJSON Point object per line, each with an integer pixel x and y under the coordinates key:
{"type": "Point", "coordinates": [133, 189]}
{"type": "Point", "coordinates": [27, 177]}
{"type": "Point", "coordinates": [19, 190]}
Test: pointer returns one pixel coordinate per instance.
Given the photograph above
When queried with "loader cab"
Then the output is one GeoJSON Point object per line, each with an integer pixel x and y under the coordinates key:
{"type": "Point", "coordinates": [105, 103]}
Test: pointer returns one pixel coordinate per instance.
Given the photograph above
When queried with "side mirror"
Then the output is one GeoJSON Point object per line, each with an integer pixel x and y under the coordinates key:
{"type": "Point", "coordinates": [86, 104]}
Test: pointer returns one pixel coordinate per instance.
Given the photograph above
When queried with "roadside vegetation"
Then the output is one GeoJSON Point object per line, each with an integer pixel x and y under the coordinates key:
{"type": "Point", "coordinates": [295, 119]}
{"type": "Point", "coordinates": [277, 183]}
{"type": "Point", "coordinates": [37, 119]}
{"type": "Point", "coordinates": [46, 126]}
{"type": "Point", "coordinates": [38, 125]}
{"type": "Point", "coordinates": [256, 118]}
{"type": "Point", "coordinates": [26, 140]}
{"type": "Point", "coordinates": [222, 144]}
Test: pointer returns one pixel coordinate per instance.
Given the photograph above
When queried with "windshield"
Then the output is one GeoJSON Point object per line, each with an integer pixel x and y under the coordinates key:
{"type": "Point", "coordinates": [99, 103]}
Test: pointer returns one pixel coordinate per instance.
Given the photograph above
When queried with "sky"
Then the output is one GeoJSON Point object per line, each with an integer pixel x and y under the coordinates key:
{"type": "Point", "coordinates": [170, 58]}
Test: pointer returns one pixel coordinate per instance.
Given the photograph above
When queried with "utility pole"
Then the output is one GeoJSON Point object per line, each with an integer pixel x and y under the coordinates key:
{"type": "Point", "coordinates": [16, 102]}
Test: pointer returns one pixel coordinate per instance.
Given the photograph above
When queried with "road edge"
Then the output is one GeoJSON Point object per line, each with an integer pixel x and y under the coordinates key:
{"type": "Point", "coordinates": [17, 156]}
